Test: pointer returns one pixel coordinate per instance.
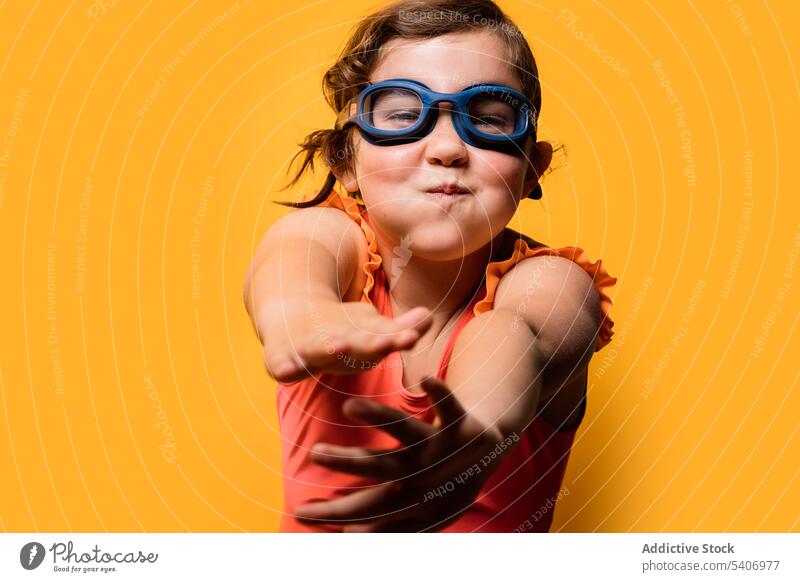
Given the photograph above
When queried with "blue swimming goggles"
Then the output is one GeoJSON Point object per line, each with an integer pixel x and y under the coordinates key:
{"type": "Point", "coordinates": [399, 111]}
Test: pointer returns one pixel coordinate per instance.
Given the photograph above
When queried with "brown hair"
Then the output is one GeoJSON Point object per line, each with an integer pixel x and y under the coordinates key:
{"type": "Point", "coordinates": [403, 19]}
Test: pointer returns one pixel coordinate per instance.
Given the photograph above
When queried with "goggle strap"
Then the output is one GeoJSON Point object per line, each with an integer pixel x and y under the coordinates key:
{"type": "Point", "coordinates": [346, 114]}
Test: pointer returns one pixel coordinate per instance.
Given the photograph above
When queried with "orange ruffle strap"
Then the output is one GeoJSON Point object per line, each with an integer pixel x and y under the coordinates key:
{"type": "Point", "coordinates": [353, 210]}
{"type": "Point", "coordinates": [601, 278]}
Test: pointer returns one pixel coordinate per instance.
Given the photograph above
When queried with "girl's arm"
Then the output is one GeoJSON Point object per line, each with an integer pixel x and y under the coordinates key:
{"type": "Point", "coordinates": [534, 345]}
{"type": "Point", "coordinates": [302, 293]}
{"type": "Point", "coordinates": [495, 372]}
{"type": "Point", "coordinates": [314, 251]}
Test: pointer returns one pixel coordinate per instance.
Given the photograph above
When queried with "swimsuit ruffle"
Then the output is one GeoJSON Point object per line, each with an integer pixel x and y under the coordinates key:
{"type": "Point", "coordinates": [352, 208]}
{"type": "Point", "coordinates": [494, 270]}
{"type": "Point", "coordinates": [601, 278]}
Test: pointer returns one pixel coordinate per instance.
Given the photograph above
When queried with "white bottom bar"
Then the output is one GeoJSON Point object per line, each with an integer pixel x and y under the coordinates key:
{"type": "Point", "coordinates": [400, 557]}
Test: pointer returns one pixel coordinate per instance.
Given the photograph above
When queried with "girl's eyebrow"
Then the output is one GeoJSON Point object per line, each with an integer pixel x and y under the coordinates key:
{"type": "Point", "coordinates": [490, 82]}
{"type": "Point", "coordinates": [504, 83]}
{"type": "Point", "coordinates": [395, 91]}
{"type": "Point", "coordinates": [464, 84]}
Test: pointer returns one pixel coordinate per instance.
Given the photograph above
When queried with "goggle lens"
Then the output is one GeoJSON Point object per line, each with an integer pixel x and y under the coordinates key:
{"type": "Point", "coordinates": [392, 109]}
{"type": "Point", "coordinates": [399, 109]}
{"type": "Point", "coordinates": [494, 114]}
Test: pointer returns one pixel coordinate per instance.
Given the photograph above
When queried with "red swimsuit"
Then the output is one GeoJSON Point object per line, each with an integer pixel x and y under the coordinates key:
{"type": "Point", "coordinates": [310, 411]}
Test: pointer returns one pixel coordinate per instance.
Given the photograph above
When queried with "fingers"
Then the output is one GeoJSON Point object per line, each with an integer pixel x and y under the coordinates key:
{"type": "Point", "coordinates": [292, 364]}
{"type": "Point", "coordinates": [379, 333]}
{"type": "Point", "coordinates": [373, 338]}
{"type": "Point", "coordinates": [386, 465]}
{"type": "Point", "coordinates": [360, 344]}
{"type": "Point", "coordinates": [356, 344]}
{"type": "Point", "coordinates": [447, 407]}
{"type": "Point", "coordinates": [346, 353]}
{"type": "Point", "coordinates": [374, 502]}
{"type": "Point", "coordinates": [371, 345]}
{"type": "Point", "coordinates": [358, 354]}
{"type": "Point", "coordinates": [406, 429]}
{"type": "Point", "coordinates": [318, 355]}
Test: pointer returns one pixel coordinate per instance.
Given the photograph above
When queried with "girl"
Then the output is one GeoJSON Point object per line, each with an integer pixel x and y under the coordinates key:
{"type": "Point", "coordinates": [431, 362]}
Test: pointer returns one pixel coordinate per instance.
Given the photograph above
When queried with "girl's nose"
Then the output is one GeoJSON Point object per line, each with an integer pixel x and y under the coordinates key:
{"type": "Point", "coordinates": [443, 145]}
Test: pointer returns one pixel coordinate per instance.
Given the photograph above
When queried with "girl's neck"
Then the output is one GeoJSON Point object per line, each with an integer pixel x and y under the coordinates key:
{"type": "Point", "coordinates": [444, 287]}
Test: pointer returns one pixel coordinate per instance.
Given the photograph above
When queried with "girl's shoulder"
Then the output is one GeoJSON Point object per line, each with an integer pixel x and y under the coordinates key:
{"type": "Point", "coordinates": [517, 248]}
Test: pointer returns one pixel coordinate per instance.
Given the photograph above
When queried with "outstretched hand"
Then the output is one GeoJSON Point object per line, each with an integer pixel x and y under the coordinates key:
{"type": "Point", "coordinates": [305, 337]}
{"type": "Point", "coordinates": [428, 482]}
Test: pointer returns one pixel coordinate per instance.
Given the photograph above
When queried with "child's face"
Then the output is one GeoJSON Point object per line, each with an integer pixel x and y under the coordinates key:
{"type": "Point", "coordinates": [393, 180]}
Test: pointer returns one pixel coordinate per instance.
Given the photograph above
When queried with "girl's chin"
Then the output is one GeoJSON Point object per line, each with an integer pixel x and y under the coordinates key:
{"type": "Point", "coordinates": [440, 244]}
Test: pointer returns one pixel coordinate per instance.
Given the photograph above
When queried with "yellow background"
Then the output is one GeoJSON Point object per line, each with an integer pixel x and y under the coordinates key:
{"type": "Point", "coordinates": [141, 145]}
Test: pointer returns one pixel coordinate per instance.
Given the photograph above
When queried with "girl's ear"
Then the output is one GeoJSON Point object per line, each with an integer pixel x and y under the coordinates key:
{"type": "Point", "coordinates": [538, 162]}
{"type": "Point", "coordinates": [344, 170]}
